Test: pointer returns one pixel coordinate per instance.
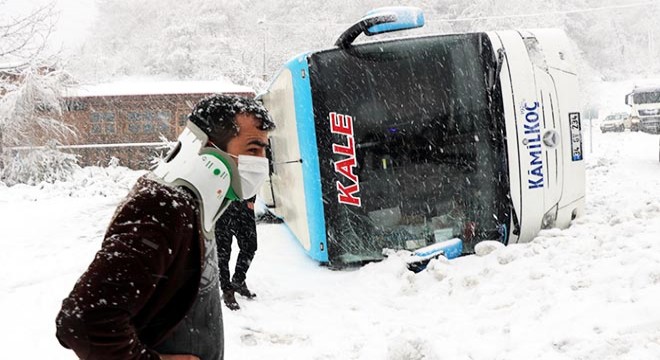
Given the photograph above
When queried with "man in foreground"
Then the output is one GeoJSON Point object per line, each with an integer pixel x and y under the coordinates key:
{"type": "Point", "coordinates": [152, 290]}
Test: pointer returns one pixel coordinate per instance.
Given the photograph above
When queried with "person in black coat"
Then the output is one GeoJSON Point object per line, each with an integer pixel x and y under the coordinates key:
{"type": "Point", "coordinates": [237, 221]}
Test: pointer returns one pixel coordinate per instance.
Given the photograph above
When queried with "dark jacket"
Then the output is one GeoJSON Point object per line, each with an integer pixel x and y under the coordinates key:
{"type": "Point", "coordinates": [142, 282]}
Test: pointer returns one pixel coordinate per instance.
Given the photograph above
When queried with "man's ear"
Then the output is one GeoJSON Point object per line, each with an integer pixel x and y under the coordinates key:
{"type": "Point", "coordinates": [222, 141]}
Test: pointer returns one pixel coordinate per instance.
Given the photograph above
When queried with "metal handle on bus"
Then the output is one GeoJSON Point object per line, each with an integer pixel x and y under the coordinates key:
{"type": "Point", "coordinates": [380, 21]}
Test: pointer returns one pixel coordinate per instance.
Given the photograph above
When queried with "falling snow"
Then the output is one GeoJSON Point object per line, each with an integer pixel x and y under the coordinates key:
{"type": "Point", "coordinates": [587, 292]}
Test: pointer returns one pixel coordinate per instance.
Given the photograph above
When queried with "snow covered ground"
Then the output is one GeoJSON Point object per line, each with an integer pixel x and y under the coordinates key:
{"type": "Point", "coordinates": [589, 292]}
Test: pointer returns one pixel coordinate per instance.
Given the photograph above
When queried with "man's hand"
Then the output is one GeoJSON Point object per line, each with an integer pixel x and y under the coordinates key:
{"type": "Point", "coordinates": [250, 205]}
{"type": "Point", "coordinates": [178, 357]}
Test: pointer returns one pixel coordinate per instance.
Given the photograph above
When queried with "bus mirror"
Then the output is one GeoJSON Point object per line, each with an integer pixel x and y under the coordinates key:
{"type": "Point", "coordinates": [407, 17]}
{"type": "Point", "coordinates": [627, 100]}
{"type": "Point", "coordinates": [382, 20]}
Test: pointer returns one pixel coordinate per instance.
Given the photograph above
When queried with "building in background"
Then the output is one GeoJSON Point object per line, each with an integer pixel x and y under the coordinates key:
{"type": "Point", "coordinates": [129, 121]}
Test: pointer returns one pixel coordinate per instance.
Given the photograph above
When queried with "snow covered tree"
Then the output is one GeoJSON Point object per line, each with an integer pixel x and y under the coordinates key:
{"type": "Point", "coordinates": [30, 109]}
{"type": "Point", "coordinates": [31, 127]}
{"type": "Point", "coordinates": [248, 41]}
{"type": "Point", "coordinates": [23, 39]}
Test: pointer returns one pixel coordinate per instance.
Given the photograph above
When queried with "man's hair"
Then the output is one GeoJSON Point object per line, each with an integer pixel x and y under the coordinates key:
{"type": "Point", "coordinates": [216, 116]}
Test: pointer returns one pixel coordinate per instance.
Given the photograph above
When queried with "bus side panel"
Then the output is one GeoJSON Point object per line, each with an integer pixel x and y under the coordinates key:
{"type": "Point", "coordinates": [310, 159]}
{"type": "Point", "coordinates": [296, 186]}
{"type": "Point", "coordinates": [286, 179]}
{"type": "Point", "coordinates": [528, 121]}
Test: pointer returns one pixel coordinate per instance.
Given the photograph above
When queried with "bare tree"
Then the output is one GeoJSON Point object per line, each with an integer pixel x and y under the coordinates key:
{"type": "Point", "coordinates": [23, 39]}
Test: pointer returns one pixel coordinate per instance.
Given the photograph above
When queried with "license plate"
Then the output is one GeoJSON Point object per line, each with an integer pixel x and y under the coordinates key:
{"type": "Point", "coordinates": [576, 136]}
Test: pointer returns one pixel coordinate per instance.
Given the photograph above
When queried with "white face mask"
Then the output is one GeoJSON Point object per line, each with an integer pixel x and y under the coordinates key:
{"type": "Point", "coordinates": [253, 171]}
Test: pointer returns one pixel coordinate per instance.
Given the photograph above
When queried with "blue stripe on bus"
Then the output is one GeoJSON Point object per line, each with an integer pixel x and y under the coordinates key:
{"type": "Point", "coordinates": [302, 93]}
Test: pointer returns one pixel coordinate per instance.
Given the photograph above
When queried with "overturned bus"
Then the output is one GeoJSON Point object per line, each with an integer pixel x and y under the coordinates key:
{"type": "Point", "coordinates": [408, 142]}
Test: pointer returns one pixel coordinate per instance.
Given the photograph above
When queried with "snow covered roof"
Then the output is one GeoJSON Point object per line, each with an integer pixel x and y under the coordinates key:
{"type": "Point", "coordinates": [647, 84]}
{"type": "Point", "coordinates": [137, 87]}
{"type": "Point", "coordinates": [646, 88]}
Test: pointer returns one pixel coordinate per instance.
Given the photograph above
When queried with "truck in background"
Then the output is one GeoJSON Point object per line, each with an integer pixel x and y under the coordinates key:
{"type": "Point", "coordinates": [644, 102]}
{"type": "Point", "coordinates": [408, 142]}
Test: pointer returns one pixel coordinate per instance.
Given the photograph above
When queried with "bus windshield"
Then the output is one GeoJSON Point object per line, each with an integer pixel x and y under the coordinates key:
{"type": "Point", "coordinates": [429, 144]}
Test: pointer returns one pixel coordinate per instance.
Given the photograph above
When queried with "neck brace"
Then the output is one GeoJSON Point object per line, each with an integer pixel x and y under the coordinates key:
{"type": "Point", "coordinates": [209, 172]}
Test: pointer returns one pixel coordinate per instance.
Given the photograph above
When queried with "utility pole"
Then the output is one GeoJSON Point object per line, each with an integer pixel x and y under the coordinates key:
{"type": "Point", "coordinates": [263, 70]}
{"type": "Point", "coordinates": [650, 42]}
{"type": "Point", "coordinates": [594, 115]}
{"type": "Point", "coordinates": [262, 22]}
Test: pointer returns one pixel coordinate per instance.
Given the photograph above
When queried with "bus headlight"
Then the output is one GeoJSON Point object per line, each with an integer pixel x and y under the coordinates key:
{"type": "Point", "coordinates": [549, 218]}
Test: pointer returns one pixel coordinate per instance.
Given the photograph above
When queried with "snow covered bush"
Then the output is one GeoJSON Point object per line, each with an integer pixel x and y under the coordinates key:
{"type": "Point", "coordinates": [30, 114]}
{"type": "Point", "coordinates": [37, 165]}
